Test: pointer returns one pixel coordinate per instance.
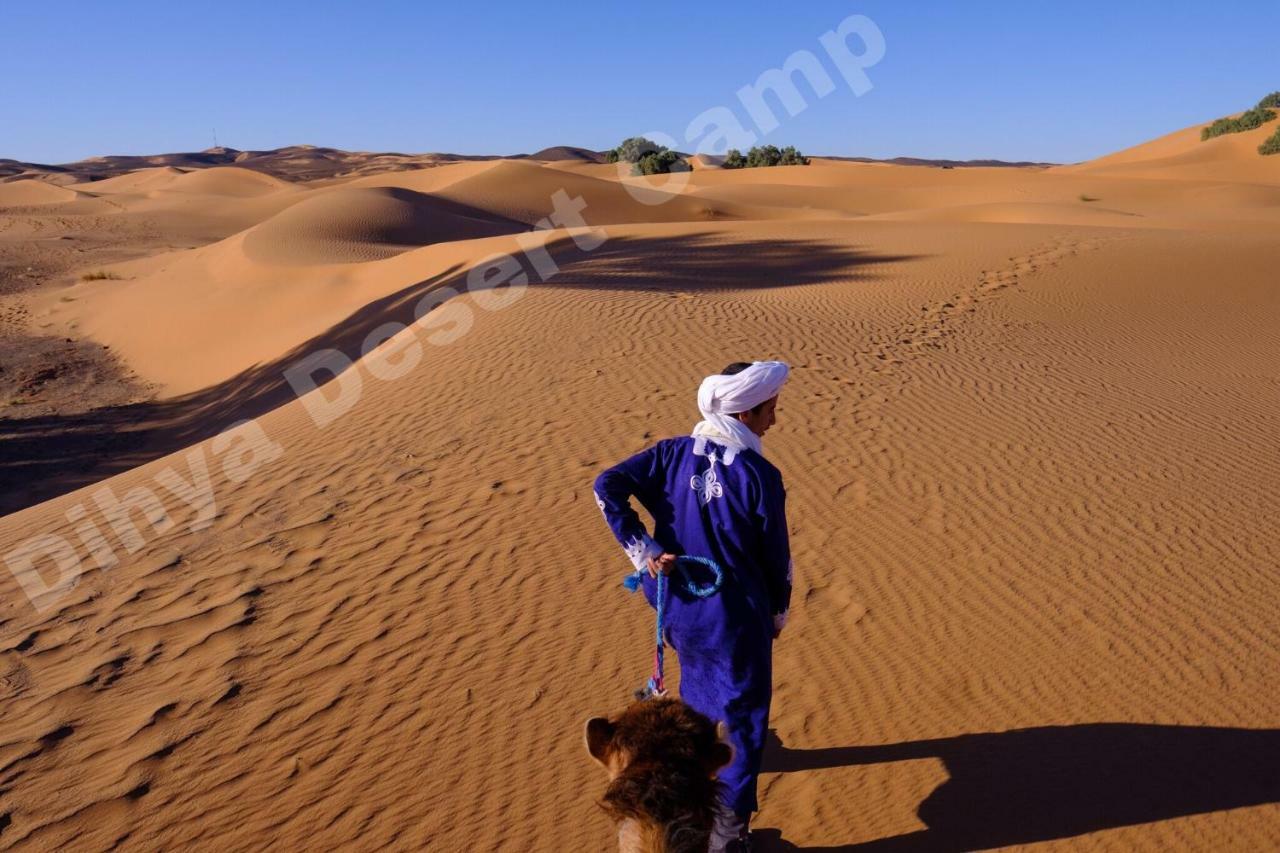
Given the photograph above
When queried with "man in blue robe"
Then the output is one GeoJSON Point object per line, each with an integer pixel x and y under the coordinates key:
{"type": "Point", "coordinates": [713, 494]}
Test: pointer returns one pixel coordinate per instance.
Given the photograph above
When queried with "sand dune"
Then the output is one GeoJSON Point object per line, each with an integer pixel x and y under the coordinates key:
{"type": "Point", "coordinates": [524, 192]}
{"type": "Point", "coordinates": [1182, 155]}
{"type": "Point", "coordinates": [143, 180]}
{"type": "Point", "coordinates": [1237, 196]}
{"type": "Point", "coordinates": [239, 308]}
{"type": "Point", "coordinates": [1026, 445]}
{"type": "Point", "coordinates": [227, 180]}
{"type": "Point", "coordinates": [21, 193]}
{"type": "Point", "coordinates": [420, 180]}
{"type": "Point", "coordinates": [360, 224]}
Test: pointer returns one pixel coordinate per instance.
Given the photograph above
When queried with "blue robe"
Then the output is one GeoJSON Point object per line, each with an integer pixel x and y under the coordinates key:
{"type": "Point", "coordinates": [713, 500]}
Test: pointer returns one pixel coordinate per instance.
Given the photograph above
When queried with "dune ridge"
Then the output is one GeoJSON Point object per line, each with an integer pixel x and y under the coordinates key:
{"type": "Point", "coordinates": [30, 192]}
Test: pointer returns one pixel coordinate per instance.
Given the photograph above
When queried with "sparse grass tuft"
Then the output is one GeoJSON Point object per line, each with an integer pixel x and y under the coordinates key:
{"type": "Point", "coordinates": [100, 275]}
{"type": "Point", "coordinates": [1084, 197]}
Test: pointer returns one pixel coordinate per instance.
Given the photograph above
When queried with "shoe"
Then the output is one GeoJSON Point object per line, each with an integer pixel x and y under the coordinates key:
{"type": "Point", "coordinates": [730, 834]}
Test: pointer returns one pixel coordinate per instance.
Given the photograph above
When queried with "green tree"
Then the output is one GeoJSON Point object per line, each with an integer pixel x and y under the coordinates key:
{"type": "Point", "coordinates": [733, 159]}
{"type": "Point", "coordinates": [634, 148]}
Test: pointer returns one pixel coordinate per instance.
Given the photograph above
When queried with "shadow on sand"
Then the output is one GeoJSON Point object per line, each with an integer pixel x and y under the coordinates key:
{"type": "Point", "coordinates": [1030, 785]}
{"type": "Point", "coordinates": [43, 457]}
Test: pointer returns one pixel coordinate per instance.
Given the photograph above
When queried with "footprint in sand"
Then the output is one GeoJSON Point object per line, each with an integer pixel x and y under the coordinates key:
{"type": "Point", "coordinates": [16, 677]}
{"type": "Point", "coordinates": [856, 491]}
{"type": "Point", "coordinates": [837, 599]}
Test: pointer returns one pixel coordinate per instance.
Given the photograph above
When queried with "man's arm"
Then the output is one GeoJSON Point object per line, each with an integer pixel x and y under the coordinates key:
{"type": "Point", "coordinates": [614, 489]}
{"type": "Point", "coordinates": [776, 550]}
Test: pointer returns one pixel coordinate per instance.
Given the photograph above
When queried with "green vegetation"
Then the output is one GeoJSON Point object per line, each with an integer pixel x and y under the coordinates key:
{"type": "Point", "coordinates": [1271, 145]}
{"type": "Point", "coordinates": [632, 149]}
{"type": "Point", "coordinates": [764, 155]}
{"type": "Point", "coordinates": [1249, 120]}
{"type": "Point", "coordinates": [646, 157]}
{"type": "Point", "coordinates": [100, 275]}
{"type": "Point", "coordinates": [1272, 100]}
{"type": "Point", "coordinates": [660, 163]}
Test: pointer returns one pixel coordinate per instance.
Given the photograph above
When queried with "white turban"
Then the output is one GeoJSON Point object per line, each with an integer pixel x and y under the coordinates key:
{"type": "Point", "coordinates": [720, 397]}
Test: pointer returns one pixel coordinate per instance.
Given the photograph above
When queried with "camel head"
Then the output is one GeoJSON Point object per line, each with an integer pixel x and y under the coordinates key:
{"type": "Point", "coordinates": [662, 758]}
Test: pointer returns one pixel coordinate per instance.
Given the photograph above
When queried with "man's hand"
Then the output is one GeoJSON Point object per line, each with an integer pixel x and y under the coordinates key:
{"type": "Point", "coordinates": [663, 563]}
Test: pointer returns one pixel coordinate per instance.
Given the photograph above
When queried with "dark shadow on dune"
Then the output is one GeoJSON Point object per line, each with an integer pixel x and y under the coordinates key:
{"type": "Point", "coordinates": [1030, 785]}
{"type": "Point", "coordinates": [699, 262]}
{"type": "Point", "coordinates": [43, 457]}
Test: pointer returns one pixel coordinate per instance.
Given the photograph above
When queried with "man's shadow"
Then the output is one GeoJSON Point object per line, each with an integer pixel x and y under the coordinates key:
{"type": "Point", "coordinates": [1039, 784]}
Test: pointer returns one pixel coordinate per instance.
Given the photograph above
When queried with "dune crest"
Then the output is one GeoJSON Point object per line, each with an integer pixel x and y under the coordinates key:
{"type": "Point", "coordinates": [1182, 155]}
{"type": "Point", "coordinates": [347, 225]}
{"type": "Point", "coordinates": [227, 181]}
{"type": "Point", "coordinates": [30, 192]}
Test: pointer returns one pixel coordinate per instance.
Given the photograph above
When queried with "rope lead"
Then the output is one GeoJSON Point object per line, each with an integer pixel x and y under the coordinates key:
{"type": "Point", "coordinates": [657, 685]}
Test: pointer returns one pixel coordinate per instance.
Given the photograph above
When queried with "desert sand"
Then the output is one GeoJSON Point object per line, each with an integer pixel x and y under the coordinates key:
{"type": "Point", "coordinates": [1029, 445]}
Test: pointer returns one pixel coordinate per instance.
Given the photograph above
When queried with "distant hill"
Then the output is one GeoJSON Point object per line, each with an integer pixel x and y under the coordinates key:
{"type": "Point", "coordinates": [292, 163]}
{"type": "Point", "coordinates": [568, 152]}
{"type": "Point", "coordinates": [15, 170]}
{"type": "Point", "coordinates": [310, 162]}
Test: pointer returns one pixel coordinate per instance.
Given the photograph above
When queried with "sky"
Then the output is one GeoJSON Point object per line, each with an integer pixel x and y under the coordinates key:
{"type": "Point", "coordinates": [1013, 81]}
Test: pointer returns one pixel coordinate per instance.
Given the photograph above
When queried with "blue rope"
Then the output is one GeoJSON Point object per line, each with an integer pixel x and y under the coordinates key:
{"type": "Point", "coordinates": [656, 685]}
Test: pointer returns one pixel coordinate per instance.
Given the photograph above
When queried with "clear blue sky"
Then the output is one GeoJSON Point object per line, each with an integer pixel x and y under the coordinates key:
{"type": "Point", "coordinates": [1015, 80]}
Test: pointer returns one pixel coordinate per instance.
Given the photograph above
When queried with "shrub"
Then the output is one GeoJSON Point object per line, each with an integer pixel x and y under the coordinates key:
{"type": "Point", "coordinates": [1271, 145]}
{"type": "Point", "coordinates": [659, 163]}
{"type": "Point", "coordinates": [646, 157]}
{"type": "Point", "coordinates": [1084, 197]}
{"type": "Point", "coordinates": [1272, 100]}
{"type": "Point", "coordinates": [764, 156]}
{"type": "Point", "coordinates": [1249, 120]}
{"type": "Point", "coordinates": [100, 275]}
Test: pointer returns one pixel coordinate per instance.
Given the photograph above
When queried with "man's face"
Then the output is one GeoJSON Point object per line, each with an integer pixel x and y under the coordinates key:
{"type": "Point", "coordinates": [760, 421]}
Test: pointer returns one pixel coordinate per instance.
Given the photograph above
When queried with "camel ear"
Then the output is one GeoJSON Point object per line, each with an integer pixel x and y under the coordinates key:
{"type": "Point", "coordinates": [599, 735]}
{"type": "Point", "coordinates": [721, 751]}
